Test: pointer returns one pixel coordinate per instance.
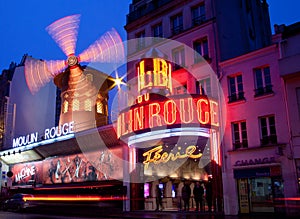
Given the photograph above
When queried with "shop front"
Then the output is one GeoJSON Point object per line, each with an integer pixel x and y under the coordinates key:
{"type": "Point", "coordinates": [260, 185]}
{"type": "Point", "coordinates": [260, 189]}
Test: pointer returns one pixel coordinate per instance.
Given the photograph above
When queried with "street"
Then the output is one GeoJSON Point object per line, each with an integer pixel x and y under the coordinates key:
{"type": "Point", "coordinates": [109, 213]}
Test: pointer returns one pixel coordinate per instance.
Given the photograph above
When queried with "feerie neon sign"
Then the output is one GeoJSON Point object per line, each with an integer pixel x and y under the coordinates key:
{"type": "Point", "coordinates": [167, 111]}
{"type": "Point", "coordinates": [66, 128]}
{"type": "Point", "coordinates": [157, 155]}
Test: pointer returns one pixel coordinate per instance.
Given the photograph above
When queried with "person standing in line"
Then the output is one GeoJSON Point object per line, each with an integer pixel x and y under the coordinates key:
{"type": "Point", "coordinates": [158, 198]}
{"type": "Point", "coordinates": [186, 195]}
{"type": "Point", "coordinates": [208, 194]}
{"type": "Point", "coordinates": [198, 192]}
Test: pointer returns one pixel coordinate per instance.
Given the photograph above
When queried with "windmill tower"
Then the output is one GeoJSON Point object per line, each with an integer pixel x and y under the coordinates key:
{"type": "Point", "coordinates": [84, 91]}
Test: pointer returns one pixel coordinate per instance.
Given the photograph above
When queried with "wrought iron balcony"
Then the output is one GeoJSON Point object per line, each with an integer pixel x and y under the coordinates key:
{"type": "Point", "coordinates": [145, 9]}
{"type": "Point", "coordinates": [268, 140]}
{"type": "Point", "coordinates": [198, 20]}
{"type": "Point", "coordinates": [236, 97]}
{"type": "Point", "coordinates": [263, 91]}
{"type": "Point", "coordinates": [238, 145]}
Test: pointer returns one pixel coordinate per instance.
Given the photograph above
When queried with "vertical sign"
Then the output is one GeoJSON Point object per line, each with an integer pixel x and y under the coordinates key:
{"type": "Point", "coordinates": [243, 195]}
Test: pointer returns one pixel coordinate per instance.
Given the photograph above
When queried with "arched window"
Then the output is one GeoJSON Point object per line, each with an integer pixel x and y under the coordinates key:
{"type": "Point", "coordinates": [65, 106]}
{"type": "Point", "coordinates": [88, 105]}
{"type": "Point", "coordinates": [100, 107]}
{"type": "Point", "coordinates": [75, 105]}
{"type": "Point", "coordinates": [89, 77]}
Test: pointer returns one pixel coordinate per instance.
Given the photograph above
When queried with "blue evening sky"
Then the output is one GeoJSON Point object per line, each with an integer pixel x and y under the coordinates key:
{"type": "Point", "coordinates": [23, 23]}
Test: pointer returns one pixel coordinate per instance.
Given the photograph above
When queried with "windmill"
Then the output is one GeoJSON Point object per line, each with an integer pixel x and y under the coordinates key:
{"type": "Point", "coordinates": [78, 90]}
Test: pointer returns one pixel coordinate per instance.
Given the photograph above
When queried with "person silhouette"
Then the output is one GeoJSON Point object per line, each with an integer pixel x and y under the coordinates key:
{"type": "Point", "coordinates": [198, 192]}
{"type": "Point", "coordinates": [186, 195]}
{"type": "Point", "coordinates": [158, 193]}
{"type": "Point", "coordinates": [208, 194]}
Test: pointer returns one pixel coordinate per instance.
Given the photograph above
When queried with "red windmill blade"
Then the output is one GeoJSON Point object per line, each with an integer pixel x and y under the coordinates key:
{"type": "Point", "coordinates": [108, 48]}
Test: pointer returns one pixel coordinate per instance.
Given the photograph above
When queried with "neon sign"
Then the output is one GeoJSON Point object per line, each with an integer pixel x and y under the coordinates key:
{"type": "Point", "coordinates": [154, 73]}
{"type": "Point", "coordinates": [167, 111]}
{"type": "Point", "coordinates": [157, 155]}
{"type": "Point", "coordinates": [66, 128]}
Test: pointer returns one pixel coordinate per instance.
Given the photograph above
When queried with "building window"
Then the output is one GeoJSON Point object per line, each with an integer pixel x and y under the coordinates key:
{"type": "Point", "coordinates": [203, 87]}
{"type": "Point", "coordinates": [157, 32]}
{"type": "Point", "coordinates": [268, 130]}
{"type": "Point", "coordinates": [75, 105]}
{"type": "Point", "coordinates": [178, 58]}
{"type": "Point", "coordinates": [263, 83]}
{"type": "Point", "coordinates": [177, 24]}
{"type": "Point", "coordinates": [100, 107]}
{"type": "Point", "coordinates": [198, 15]}
{"type": "Point", "coordinates": [65, 106]}
{"type": "Point", "coordinates": [235, 86]}
{"type": "Point", "coordinates": [141, 44]}
{"type": "Point", "coordinates": [88, 105]}
{"type": "Point", "coordinates": [89, 77]}
{"type": "Point", "coordinates": [239, 135]}
{"type": "Point", "coordinates": [201, 50]}
{"type": "Point", "coordinates": [181, 89]}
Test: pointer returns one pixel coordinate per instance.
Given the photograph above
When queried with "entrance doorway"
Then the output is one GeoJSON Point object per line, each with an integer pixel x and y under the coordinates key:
{"type": "Point", "coordinates": [259, 194]}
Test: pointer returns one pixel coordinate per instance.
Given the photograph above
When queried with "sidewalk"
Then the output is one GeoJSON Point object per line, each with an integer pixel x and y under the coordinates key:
{"type": "Point", "coordinates": [195, 215]}
{"type": "Point", "coordinates": [107, 212]}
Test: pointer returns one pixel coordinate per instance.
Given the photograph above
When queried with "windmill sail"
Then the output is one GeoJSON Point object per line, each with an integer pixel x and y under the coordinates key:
{"type": "Point", "coordinates": [108, 48]}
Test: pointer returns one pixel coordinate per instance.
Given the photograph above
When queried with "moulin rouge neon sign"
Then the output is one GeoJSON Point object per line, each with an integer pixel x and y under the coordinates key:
{"type": "Point", "coordinates": [167, 111]}
{"type": "Point", "coordinates": [157, 108]}
{"type": "Point", "coordinates": [50, 133]}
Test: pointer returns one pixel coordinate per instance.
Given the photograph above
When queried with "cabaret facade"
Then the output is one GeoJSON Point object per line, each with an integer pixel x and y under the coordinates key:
{"type": "Point", "coordinates": [173, 137]}
{"type": "Point", "coordinates": [72, 160]}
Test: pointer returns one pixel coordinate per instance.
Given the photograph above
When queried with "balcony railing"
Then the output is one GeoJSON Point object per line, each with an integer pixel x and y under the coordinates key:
{"type": "Point", "coordinates": [198, 20]}
{"type": "Point", "coordinates": [145, 9]}
{"type": "Point", "coordinates": [236, 97]}
{"type": "Point", "coordinates": [263, 91]}
{"type": "Point", "coordinates": [177, 30]}
{"type": "Point", "coordinates": [243, 144]}
{"type": "Point", "coordinates": [268, 140]}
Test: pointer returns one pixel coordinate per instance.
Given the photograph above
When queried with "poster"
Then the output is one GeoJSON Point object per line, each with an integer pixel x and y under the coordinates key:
{"type": "Point", "coordinates": [94, 166]}
{"type": "Point", "coordinates": [27, 173]}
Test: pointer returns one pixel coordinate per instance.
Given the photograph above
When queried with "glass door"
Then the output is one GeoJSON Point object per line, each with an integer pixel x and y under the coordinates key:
{"type": "Point", "coordinates": [261, 195]}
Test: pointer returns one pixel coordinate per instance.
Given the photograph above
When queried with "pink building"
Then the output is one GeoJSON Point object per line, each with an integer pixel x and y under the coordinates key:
{"type": "Point", "coordinates": [256, 140]}
{"type": "Point", "coordinates": [289, 68]}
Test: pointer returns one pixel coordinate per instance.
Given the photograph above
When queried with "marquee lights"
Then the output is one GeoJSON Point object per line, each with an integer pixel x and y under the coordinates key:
{"type": "Point", "coordinates": [166, 133]}
{"type": "Point", "coordinates": [192, 109]}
